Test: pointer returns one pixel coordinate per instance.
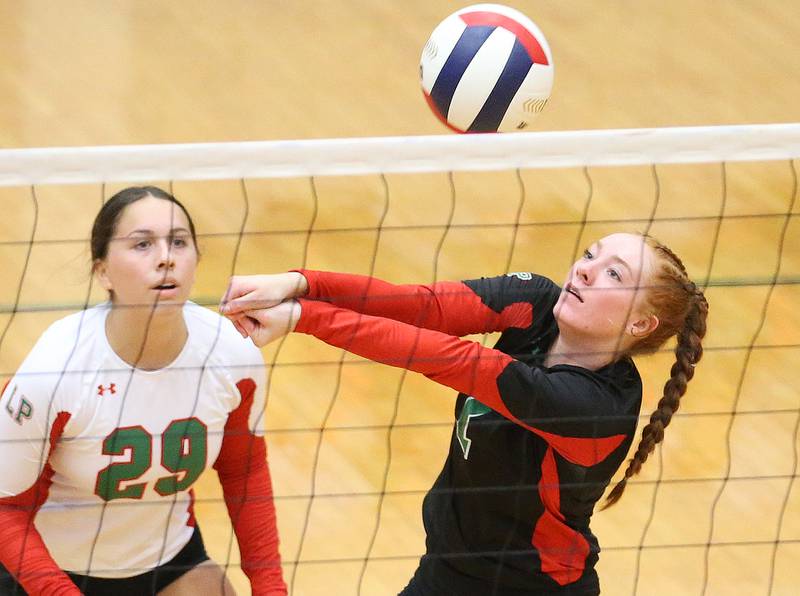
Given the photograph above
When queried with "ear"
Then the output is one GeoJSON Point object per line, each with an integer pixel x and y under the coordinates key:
{"type": "Point", "coordinates": [644, 326]}
{"type": "Point", "coordinates": [101, 272]}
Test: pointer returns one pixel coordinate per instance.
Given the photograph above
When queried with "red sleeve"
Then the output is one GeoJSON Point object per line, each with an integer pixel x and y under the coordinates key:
{"type": "Point", "coordinates": [528, 396]}
{"type": "Point", "coordinates": [22, 551]}
{"type": "Point", "coordinates": [447, 306]}
{"type": "Point", "coordinates": [247, 487]}
{"type": "Point", "coordinates": [465, 366]}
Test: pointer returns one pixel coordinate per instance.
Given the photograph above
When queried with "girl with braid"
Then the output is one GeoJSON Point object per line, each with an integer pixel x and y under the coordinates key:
{"type": "Point", "coordinates": [543, 420]}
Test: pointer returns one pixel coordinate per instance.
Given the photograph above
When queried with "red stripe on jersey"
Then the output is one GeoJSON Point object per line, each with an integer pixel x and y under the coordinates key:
{"type": "Point", "coordinates": [192, 521]}
{"type": "Point", "coordinates": [519, 315]}
{"type": "Point", "coordinates": [446, 306]}
{"type": "Point", "coordinates": [562, 550]}
{"type": "Point", "coordinates": [37, 494]}
{"type": "Point", "coordinates": [549, 486]}
{"type": "Point", "coordinates": [580, 450]}
{"type": "Point", "coordinates": [240, 416]}
{"type": "Point", "coordinates": [22, 550]}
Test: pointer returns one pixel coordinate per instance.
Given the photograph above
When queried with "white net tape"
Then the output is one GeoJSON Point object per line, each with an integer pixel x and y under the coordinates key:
{"type": "Point", "coordinates": [354, 156]}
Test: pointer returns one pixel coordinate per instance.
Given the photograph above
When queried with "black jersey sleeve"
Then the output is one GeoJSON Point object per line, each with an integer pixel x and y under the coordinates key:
{"type": "Point", "coordinates": [583, 414]}
{"type": "Point", "coordinates": [554, 404]}
{"type": "Point", "coordinates": [499, 292]}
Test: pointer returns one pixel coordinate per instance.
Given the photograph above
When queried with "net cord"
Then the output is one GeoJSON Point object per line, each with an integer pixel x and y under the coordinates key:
{"type": "Point", "coordinates": [386, 155]}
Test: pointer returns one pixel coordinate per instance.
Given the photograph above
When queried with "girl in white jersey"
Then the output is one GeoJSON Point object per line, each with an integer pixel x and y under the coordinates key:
{"type": "Point", "coordinates": [117, 411]}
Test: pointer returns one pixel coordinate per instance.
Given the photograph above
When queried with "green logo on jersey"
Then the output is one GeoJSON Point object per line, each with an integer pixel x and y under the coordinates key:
{"type": "Point", "coordinates": [472, 409]}
{"type": "Point", "coordinates": [23, 409]}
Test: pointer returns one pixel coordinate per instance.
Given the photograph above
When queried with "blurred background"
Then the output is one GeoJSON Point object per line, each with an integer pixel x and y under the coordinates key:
{"type": "Point", "coordinates": [86, 72]}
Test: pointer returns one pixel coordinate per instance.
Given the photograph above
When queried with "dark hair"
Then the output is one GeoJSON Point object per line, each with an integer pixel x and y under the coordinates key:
{"type": "Point", "coordinates": [105, 224]}
{"type": "Point", "coordinates": [681, 309]}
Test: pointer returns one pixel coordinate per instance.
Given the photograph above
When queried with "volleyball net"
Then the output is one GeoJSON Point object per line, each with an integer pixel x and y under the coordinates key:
{"type": "Point", "coordinates": [355, 445]}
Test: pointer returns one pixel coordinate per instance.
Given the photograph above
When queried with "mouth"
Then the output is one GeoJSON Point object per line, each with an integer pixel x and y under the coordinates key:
{"type": "Point", "coordinates": [166, 286]}
{"type": "Point", "coordinates": [570, 289]}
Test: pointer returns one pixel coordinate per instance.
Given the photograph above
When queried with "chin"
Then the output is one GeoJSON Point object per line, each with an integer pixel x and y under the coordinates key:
{"type": "Point", "coordinates": [172, 302]}
{"type": "Point", "coordinates": [168, 305]}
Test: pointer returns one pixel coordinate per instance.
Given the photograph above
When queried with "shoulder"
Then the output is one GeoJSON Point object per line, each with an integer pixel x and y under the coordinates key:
{"type": "Point", "coordinates": [65, 339]}
{"type": "Point", "coordinates": [79, 323]}
{"type": "Point", "coordinates": [210, 330]}
{"type": "Point", "coordinates": [61, 357]}
{"type": "Point", "coordinates": [502, 291]}
{"type": "Point", "coordinates": [534, 283]}
{"type": "Point", "coordinates": [624, 377]}
{"type": "Point", "coordinates": [525, 285]}
{"type": "Point", "coordinates": [617, 385]}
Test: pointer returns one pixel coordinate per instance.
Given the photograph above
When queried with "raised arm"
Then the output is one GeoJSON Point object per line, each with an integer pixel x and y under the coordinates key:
{"type": "Point", "coordinates": [456, 308]}
{"type": "Point", "coordinates": [553, 405]}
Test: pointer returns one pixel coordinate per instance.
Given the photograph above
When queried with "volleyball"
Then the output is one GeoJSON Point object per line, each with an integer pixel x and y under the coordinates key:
{"type": "Point", "coordinates": [486, 68]}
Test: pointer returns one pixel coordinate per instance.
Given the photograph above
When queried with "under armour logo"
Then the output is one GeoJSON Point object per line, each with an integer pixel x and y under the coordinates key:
{"type": "Point", "coordinates": [101, 389]}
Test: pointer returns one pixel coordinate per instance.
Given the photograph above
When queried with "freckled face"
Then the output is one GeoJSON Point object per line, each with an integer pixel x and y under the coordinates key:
{"type": "Point", "coordinates": [604, 290]}
{"type": "Point", "coordinates": [152, 258]}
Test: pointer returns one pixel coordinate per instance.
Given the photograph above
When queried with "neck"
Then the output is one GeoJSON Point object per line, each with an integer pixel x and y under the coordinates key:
{"type": "Point", "coordinates": [576, 352]}
{"type": "Point", "coordinates": [146, 338]}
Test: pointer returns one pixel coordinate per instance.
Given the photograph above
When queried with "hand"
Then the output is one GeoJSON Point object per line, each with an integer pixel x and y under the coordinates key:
{"type": "Point", "coordinates": [268, 324]}
{"type": "Point", "coordinates": [253, 292]}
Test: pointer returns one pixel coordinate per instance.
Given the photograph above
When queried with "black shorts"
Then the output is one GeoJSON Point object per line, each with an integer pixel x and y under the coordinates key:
{"type": "Point", "coordinates": [189, 557]}
{"type": "Point", "coordinates": [434, 577]}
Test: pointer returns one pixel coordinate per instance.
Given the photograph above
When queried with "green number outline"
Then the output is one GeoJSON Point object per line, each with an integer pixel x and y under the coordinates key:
{"type": "Point", "coordinates": [173, 458]}
{"type": "Point", "coordinates": [140, 443]}
{"type": "Point", "coordinates": [184, 451]}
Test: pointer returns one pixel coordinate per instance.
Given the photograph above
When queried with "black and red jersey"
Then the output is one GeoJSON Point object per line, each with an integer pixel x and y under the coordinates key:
{"type": "Point", "coordinates": [533, 448]}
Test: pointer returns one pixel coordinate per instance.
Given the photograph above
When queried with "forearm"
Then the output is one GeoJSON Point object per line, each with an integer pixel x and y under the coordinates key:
{"type": "Point", "coordinates": [248, 496]}
{"type": "Point", "coordinates": [24, 554]}
{"type": "Point", "coordinates": [449, 307]}
{"type": "Point", "coordinates": [462, 365]}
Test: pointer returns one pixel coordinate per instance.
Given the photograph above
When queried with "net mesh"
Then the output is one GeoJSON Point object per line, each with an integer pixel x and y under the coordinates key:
{"type": "Point", "coordinates": [354, 445]}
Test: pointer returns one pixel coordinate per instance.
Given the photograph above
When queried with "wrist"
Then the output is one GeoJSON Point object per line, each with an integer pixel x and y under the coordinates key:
{"type": "Point", "coordinates": [299, 283]}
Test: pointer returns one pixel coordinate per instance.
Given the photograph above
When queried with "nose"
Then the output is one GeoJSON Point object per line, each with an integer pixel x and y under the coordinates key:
{"type": "Point", "coordinates": [583, 272]}
{"type": "Point", "coordinates": [166, 257]}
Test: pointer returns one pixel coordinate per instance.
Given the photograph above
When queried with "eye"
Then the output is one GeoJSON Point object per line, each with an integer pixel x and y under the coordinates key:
{"type": "Point", "coordinates": [179, 242]}
{"type": "Point", "coordinates": [615, 274]}
{"type": "Point", "coordinates": [142, 245]}
{"type": "Point", "coordinates": [587, 254]}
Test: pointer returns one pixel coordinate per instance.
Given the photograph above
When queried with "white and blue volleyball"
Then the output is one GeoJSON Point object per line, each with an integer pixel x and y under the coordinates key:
{"type": "Point", "coordinates": [487, 68]}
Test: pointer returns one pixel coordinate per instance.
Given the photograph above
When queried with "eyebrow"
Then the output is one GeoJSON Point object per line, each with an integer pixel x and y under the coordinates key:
{"type": "Point", "coordinates": [147, 232]}
{"type": "Point", "coordinates": [616, 258]}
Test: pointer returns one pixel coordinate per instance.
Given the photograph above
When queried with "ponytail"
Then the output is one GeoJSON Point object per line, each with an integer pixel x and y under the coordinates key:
{"type": "Point", "coordinates": [673, 292]}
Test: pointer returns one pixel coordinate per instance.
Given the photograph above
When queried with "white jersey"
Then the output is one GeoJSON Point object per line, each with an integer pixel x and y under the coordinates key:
{"type": "Point", "coordinates": [130, 443]}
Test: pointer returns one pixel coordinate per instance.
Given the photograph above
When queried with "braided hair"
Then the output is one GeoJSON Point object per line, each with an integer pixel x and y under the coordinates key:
{"type": "Point", "coordinates": [682, 309]}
